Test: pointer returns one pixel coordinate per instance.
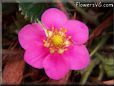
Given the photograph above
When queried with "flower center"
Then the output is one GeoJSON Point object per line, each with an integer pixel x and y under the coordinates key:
{"type": "Point", "coordinates": [57, 40]}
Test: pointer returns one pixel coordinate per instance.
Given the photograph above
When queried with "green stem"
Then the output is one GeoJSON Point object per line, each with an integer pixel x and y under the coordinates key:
{"type": "Point", "coordinates": [101, 73]}
{"type": "Point", "coordinates": [88, 72]}
{"type": "Point", "coordinates": [44, 28]}
{"type": "Point", "coordinates": [102, 42]}
{"type": "Point", "coordinates": [100, 57]}
{"type": "Point", "coordinates": [41, 24]}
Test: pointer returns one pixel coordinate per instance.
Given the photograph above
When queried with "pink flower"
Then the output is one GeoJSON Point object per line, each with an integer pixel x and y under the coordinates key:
{"type": "Point", "coordinates": [59, 48]}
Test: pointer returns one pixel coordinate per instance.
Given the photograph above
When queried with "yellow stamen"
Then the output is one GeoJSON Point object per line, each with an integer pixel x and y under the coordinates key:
{"type": "Point", "coordinates": [60, 51]}
{"type": "Point", "coordinates": [57, 41]}
{"type": "Point", "coordinates": [52, 50]}
{"type": "Point", "coordinates": [67, 43]}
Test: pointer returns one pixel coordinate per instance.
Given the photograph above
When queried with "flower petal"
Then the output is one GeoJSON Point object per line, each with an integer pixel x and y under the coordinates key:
{"type": "Point", "coordinates": [53, 17]}
{"type": "Point", "coordinates": [34, 56]}
{"type": "Point", "coordinates": [55, 66]}
{"type": "Point", "coordinates": [78, 31]}
{"type": "Point", "coordinates": [77, 57]}
{"type": "Point", "coordinates": [31, 35]}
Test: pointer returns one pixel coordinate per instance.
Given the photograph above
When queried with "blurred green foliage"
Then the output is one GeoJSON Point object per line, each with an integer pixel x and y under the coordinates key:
{"type": "Point", "coordinates": [32, 10]}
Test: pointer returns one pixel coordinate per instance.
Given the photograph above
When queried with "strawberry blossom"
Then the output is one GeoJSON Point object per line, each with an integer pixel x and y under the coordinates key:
{"type": "Point", "coordinates": [58, 48]}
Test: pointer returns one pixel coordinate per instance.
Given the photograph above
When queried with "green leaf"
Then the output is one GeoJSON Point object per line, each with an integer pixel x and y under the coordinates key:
{"type": "Point", "coordinates": [107, 64]}
{"type": "Point", "coordinates": [32, 10]}
{"type": "Point", "coordinates": [109, 67]}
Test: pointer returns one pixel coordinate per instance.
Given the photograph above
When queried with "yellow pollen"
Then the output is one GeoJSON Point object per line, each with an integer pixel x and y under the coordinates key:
{"type": "Point", "coordinates": [57, 40]}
